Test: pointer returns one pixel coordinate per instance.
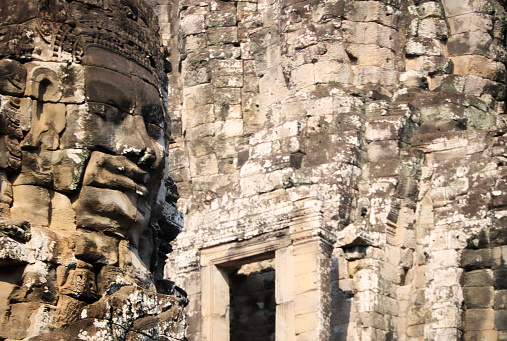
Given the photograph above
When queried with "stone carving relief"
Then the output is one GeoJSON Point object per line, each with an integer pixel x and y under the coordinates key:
{"type": "Point", "coordinates": [84, 196]}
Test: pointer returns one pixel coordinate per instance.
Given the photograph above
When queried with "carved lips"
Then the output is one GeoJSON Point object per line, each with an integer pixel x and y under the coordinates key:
{"type": "Point", "coordinates": [115, 195]}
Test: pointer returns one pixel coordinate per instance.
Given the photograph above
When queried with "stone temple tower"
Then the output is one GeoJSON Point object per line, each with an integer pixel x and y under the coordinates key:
{"type": "Point", "coordinates": [340, 166]}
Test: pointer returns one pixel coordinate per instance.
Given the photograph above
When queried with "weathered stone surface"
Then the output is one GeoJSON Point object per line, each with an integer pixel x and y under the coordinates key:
{"type": "Point", "coordinates": [12, 252]}
{"type": "Point", "coordinates": [12, 77]}
{"type": "Point", "coordinates": [83, 181]}
{"type": "Point", "coordinates": [376, 124]}
{"type": "Point", "coordinates": [391, 112]}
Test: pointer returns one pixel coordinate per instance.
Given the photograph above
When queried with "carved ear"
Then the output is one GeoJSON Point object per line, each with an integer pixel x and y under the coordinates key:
{"type": "Point", "coordinates": [44, 84]}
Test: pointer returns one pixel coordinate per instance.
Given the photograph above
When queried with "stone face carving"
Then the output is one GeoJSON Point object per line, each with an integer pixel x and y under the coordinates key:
{"type": "Point", "coordinates": [84, 205]}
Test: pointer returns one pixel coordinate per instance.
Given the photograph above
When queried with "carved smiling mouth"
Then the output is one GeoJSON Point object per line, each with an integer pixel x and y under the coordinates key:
{"type": "Point", "coordinates": [116, 172]}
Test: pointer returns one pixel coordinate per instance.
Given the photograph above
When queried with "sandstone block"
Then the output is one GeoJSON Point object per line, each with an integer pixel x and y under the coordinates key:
{"type": "Point", "coordinates": [415, 331]}
{"type": "Point", "coordinates": [381, 169]}
{"type": "Point", "coordinates": [477, 278]}
{"type": "Point", "coordinates": [221, 19]}
{"type": "Point", "coordinates": [501, 319]}
{"type": "Point", "coordinates": [196, 42]}
{"type": "Point", "coordinates": [67, 167]}
{"type": "Point", "coordinates": [500, 299]}
{"type": "Point", "coordinates": [455, 7]}
{"type": "Point", "coordinates": [69, 310]}
{"type": "Point", "coordinates": [81, 122]}
{"type": "Point", "coordinates": [499, 257]}
{"type": "Point", "coordinates": [10, 153]}
{"type": "Point", "coordinates": [47, 124]}
{"type": "Point", "coordinates": [226, 67]}
{"type": "Point", "coordinates": [430, 9]}
{"type": "Point", "coordinates": [192, 24]}
{"type": "Point", "coordinates": [371, 55]}
{"type": "Point", "coordinates": [373, 75]}
{"type": "Point", "coordinates": [222, 35]}
{"type": "Point", "coordinates": [198, 95]}
{"type": "Point", "coordinates": [476, 259]}
{"type": "Point", "coordinates": [332, 72]}
{"type": "Point", "coordinates": [18, 325]}
{"type": "Point", "coordinates": [383, 128]}
{"type": "Point", "coordinates": [38, 284]}
{"type": "Point", "coordinates": [479, 66]}
{"type": "Point", "coordinates": [365, 11]}
{"type": "Point", "coordinates": [225, 52]}
{"type": "Point", "coordinates": [478, 297]}
{"type": "Point", "coordinates": [233, 127]}
{"type": "Point", "coordinates": [205, 165]}
{"type": "Point", "coordinates": [485, 335]}
{"type": "Point", "coordinates": [470, 22]}
{"type": "Point", "coordinates": [104, 209]}
{"type": "Point", "coordinates": [62, 213]}
{"type": "Point", "coordinates": [246, 9]}
{"type": "Point", "coordinates": [475, 43]}
{"type": "Point", "coordinates": [17, 230]}
{"type": "Point", "coordinates": [430, 64]}
{"type": "Point", "coordinates": [36, 169]}
{"type": "Point", "coordinates": [202, 146]}
{"type": "Point", "coordinates": [303, 76]}
{"type": "Point", "coordinates": [432, 28]}
{"type": "Point", "coordinates": [368, 33]}
{"type": "Point", "coordinates": [500, 278]}
{"type": "Point", "coordinates": [305, 323]}
{"type": "Point", "coordinates": [109, 280]}
{"type": "Point", "coordinates": [422, 46]}
{"type": "Point", "coordinates": [197, 70]}
{"type": "Point", "coordinates": [227, 81]}
{"type": "Point", "coordinates": [195, 116]}
{"type": "Point", "coordinates": [31, 203]}
{"type": "Point", "coordinates": [95, 247]}
{"type": "Point", "coordinates": [480, 319]}
{"type": "Point", "coordinates": [382, 150]}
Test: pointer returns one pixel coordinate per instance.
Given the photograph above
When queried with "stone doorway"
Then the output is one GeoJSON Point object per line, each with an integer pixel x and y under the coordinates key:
{"type": "Point", "coordinates": [301, 293]}
{"type": "Point", "coordinates": [228, 272]}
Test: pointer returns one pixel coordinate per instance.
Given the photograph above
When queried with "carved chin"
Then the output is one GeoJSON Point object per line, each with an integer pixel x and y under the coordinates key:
{"type": "Point", "coordinates": [111, 211]}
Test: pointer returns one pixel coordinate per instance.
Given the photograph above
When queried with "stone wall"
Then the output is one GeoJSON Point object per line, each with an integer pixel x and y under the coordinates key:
{"type": "Point", "coordinates": [368, 135]}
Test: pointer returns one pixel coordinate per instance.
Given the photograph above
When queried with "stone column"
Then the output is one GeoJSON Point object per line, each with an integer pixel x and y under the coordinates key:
{"type": "Point", "coordinates": [311, 258]}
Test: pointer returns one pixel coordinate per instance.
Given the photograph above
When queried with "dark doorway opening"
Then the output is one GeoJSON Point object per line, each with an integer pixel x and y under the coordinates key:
{"type": "Point", "coordinates": [252, 302]}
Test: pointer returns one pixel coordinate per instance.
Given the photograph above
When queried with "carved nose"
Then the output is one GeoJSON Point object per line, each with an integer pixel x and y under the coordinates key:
{"type": "Point", "coordinates": [135, 142]}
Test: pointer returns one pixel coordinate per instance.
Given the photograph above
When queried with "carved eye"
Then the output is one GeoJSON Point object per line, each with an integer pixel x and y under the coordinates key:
{"type": "Point", "coordinates": [153, 114]}
{"type": "Point", "coordinates": [107, 112]}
